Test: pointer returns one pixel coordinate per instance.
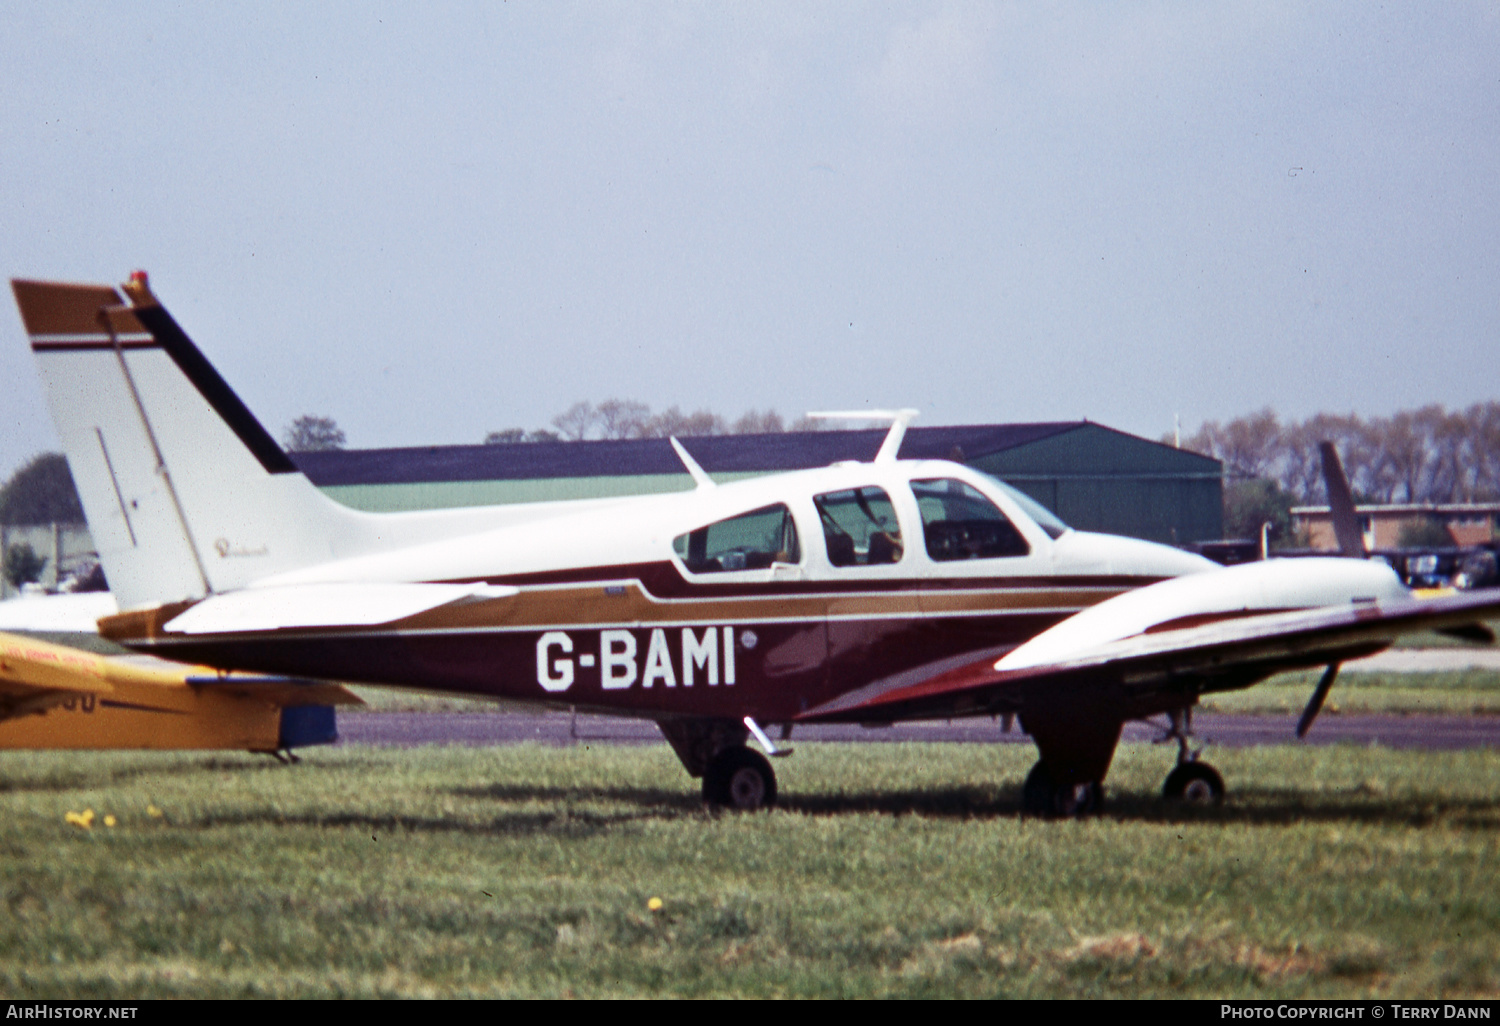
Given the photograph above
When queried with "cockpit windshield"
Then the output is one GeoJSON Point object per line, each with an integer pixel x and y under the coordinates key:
{"type": "Point", "coordinates": [1045, 519]}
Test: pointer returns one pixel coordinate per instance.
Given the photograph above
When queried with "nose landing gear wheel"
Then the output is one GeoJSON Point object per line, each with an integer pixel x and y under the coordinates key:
{"type": "Point", "coordinates": [741, 779]}
{"type": "Point", "coordinates": [1042, 796]}
{"type": "Point", "coordinates": [1194, 783]}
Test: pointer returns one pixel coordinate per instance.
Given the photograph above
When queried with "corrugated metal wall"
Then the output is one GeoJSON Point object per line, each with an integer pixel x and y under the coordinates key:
{"type": "Point", "coordinates": [1098, 479]}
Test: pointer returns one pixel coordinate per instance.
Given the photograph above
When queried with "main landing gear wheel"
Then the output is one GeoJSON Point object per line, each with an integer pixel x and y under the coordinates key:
{"type": "Point", "coordinates": [741, 779]}
{"type": "Point", "coordinates": [1194, 783]}
{"type": "Point", "coordinates": [1042, 796]}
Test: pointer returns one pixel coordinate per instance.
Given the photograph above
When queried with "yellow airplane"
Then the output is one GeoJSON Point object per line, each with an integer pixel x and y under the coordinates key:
{"type": "Point", "coordinates": [52, 696]}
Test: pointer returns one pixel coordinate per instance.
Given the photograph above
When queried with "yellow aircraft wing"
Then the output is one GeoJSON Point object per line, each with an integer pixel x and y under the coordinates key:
{"type": "Point", "coordinates": [52, 696]}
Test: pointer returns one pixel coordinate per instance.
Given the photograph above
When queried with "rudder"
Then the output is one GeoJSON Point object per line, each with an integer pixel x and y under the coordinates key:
{"type": "Point", "coordinates": [186, 493]}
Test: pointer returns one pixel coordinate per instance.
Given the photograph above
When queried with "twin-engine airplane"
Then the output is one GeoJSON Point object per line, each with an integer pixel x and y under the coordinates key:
{"type": "Point", "coordinates": [861, 592]}
{"type": "Point", "coordinates": [57, 697]}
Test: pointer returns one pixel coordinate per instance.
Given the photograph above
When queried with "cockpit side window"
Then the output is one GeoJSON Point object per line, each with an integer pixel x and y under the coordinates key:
{"type": "Point", "coordinates": [859, 527]}
{"type": "Point", "coordinates": [958, 522]}
{"type": "Point", "coordinates": [750, 541]}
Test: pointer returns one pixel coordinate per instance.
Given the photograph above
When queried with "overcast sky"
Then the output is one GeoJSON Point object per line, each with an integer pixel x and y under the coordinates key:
{"type": "Point", "coordinates": [431, 221]}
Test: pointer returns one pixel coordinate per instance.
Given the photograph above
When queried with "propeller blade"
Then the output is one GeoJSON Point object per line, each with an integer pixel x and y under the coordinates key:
{"type": "Point", "coordinates": [1341, 504]}
{"type": "Point", "coordinates": [1319, 696]}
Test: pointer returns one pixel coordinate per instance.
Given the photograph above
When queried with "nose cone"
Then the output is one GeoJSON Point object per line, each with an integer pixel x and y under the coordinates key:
{"type": "Point", "coordinates": [1082, 552]}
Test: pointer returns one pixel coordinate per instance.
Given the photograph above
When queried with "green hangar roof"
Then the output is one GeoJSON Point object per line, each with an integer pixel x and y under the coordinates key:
{"type": "Point", "coordinates": [1094, 477]}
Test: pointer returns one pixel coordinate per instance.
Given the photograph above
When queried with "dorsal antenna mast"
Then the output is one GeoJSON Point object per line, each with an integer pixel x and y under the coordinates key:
{"type": "Point", "coordinates": [899, 419]}
{"type": "Point", "coordinates": [699, 475]}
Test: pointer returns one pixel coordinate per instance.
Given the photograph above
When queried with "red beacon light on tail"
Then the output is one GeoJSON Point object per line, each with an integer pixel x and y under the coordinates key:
{"type": "Point", "coordinates": [138, 288]}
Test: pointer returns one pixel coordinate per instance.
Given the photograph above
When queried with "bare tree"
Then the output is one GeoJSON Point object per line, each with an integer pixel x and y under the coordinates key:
{"type": "Point", "coordinates": [577, 422]}
{"type": "Point", "coordinates": [1423, 455]}
{"type": "Point", "coordinates": [753, 423]}
{"type": "Point", "coordinates": [1483, 421]}
{"type": "Point", "coordinates": [673, 422]}
{"type": "Point", "coordinates": [517, 436]}
{"type": "Point", "coordinates": [1249, 447]}
{"type": "Point", "coordinates": [623, 418]}
{"type": "Point", "coordinates": [312, 434]}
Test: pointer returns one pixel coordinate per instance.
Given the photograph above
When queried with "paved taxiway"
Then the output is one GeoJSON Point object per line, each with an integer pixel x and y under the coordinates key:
{"type": "Point", "coordinates": [560, 728]}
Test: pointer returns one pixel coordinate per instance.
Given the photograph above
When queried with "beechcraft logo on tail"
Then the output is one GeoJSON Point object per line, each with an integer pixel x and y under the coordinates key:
{"type": "Point", "coordinates": [624, 658]}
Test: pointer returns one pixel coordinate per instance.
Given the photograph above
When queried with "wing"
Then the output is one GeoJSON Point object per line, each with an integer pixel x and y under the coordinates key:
{"type": "Point", "coordinates": [35, 676]}
{"type": "Point", "coordinates": [1157, 670]}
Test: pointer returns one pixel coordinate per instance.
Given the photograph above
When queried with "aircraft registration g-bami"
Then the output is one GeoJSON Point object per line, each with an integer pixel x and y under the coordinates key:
{"type": "Point", "coordinates": [860, 592]}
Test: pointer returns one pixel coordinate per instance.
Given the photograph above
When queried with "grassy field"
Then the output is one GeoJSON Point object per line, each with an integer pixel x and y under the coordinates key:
{"type": "Point", "coordinates": [890, 870]}
{"type": "Point", "coordinates": [1459, 692]}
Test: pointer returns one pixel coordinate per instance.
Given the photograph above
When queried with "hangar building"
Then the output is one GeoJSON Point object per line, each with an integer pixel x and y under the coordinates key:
{"type": "Point", "coordinates": [1093, 477]}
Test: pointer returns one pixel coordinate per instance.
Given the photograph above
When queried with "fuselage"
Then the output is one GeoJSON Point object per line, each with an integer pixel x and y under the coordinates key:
{"type": "Point", "coordinates": [763, 597]}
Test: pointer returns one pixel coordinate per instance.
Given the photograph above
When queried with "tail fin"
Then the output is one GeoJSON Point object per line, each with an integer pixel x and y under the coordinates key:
{"type": "Point", "coordinates": [1341, 504]}
{"type": "Point", "coordinates": [186, 493]}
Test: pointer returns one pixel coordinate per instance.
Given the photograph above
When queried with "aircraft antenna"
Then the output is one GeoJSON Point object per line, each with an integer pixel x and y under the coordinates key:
{"type": "Point", "coordinates": [698, 473]}
{"type": "Point", "coordinates": [899, 419]}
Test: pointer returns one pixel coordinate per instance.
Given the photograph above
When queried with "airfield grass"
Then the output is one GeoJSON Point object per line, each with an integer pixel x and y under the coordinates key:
{"type": "Point", "coordinates": [888, 870]}
{"type": "Point", "coordinates": [1451, 693]}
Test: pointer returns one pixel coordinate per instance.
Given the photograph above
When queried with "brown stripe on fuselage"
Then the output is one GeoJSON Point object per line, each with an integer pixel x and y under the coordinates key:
{"type": "Point", "coordinates": [663, 580]}
{"type": "Point", "coordinates": [608, 602]}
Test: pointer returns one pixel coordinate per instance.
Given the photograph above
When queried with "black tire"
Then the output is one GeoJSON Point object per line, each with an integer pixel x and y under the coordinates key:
{"type": "Point", "coordinates": [740, 779]}
{"type": "Point", "coordinates": [1043, 796]}
{"type": "Point", "coordinates": [1194, 783]}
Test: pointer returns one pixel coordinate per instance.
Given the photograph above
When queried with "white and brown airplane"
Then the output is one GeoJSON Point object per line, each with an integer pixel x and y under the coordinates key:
{"type": "Point", "coordinates": [860, 592]}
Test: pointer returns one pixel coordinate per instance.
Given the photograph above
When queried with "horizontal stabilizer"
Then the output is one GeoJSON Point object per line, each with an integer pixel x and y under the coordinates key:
{"type": "Point", "coordinates": [58, 614]}
{"type": "Point", "coordinates": [286, 692]}
{"type": "Point", "coordinates": [322, 605]}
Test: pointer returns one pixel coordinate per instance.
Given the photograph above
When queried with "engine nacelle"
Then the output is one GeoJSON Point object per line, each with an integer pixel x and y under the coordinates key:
{"type": "Point", "coordinates": [1250, 589]}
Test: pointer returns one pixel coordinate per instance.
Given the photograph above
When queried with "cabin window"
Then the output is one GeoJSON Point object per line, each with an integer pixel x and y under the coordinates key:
{"type": "Point", "coordinates": [750, 541]}
{"type": "Point", "coordinates": [958, 522]}
{"type": "Point", "coordinates": [859, 527]}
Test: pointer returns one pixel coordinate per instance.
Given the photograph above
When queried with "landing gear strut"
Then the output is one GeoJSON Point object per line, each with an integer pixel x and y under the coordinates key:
{"type": "Point", "coordinates": [1042, 795]}
{"type": "Point", "coordinates": [1192, 782]}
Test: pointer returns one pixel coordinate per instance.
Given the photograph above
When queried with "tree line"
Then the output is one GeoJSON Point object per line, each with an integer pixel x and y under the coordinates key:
{"type": "Point", "coordinates": [1428, 455]}
{"type": "Point", "coordinates": [630, 418]}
